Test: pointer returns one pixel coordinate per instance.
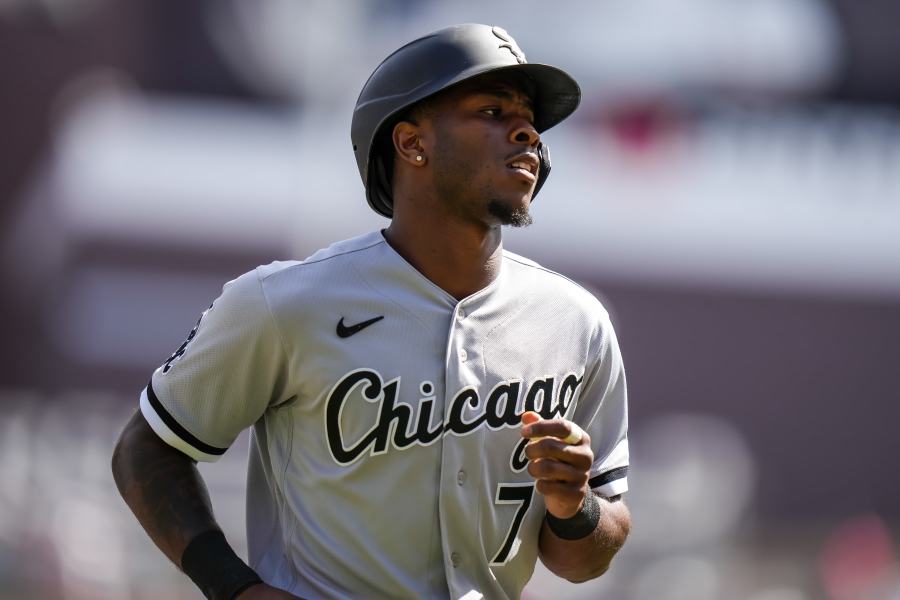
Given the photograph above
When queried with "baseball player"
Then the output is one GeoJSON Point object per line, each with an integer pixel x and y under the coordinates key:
{"type": "Point", "coordinates": [429, 412]}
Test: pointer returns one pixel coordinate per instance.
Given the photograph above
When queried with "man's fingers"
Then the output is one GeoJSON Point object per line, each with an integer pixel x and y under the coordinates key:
{"type": "Point", "coordinates": [559, 458]}
{"type": "Point", "coordinates": [554, 470]}
{"type": "Point", "coordinates": [565, 430]}
{"type": "Point", "coordinates": [579, 457]}
{"type": "Point", "coordinates": [529, 417]}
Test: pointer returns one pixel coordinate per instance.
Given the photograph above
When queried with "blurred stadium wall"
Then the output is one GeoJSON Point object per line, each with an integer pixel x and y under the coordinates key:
{"type": "Point", "coordinates": [730, 186]}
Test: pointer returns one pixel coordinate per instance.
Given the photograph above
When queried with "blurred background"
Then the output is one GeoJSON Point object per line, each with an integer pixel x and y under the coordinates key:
{"type": "Point", "coordinates": [730, 186]}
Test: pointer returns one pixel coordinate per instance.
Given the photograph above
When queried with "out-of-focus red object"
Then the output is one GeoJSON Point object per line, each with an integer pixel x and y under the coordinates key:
{"type": "Point", "coordinates": [858, 558]}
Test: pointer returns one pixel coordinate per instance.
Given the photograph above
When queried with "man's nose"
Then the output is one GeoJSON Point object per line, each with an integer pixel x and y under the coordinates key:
{"type": "Point", "coordinates": [525, 134]}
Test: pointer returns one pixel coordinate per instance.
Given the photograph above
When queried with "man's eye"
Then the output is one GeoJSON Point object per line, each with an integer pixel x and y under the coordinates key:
{"type": "Point", "coordinates": [494, 111]}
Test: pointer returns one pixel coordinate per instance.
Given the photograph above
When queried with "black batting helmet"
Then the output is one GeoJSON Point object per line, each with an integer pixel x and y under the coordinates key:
{"type": "Point", "coordinates": [431, 64]}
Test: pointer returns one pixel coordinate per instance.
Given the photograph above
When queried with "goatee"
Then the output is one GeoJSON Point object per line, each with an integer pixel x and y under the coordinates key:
{"type": "Point", "coordinates": [519, 217]}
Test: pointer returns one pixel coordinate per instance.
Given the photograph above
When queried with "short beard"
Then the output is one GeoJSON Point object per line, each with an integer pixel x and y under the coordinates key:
{"type": "Point", "coordinates": [519, 217]}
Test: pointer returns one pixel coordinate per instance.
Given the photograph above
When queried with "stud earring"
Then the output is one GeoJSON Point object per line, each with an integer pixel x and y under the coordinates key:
{"type": "Point", "coordinates": [419, 158]}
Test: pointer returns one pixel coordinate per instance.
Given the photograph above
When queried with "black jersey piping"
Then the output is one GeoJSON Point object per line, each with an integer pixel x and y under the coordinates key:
{"type": "Point", "coordinates": [604, 478]}
{"type": "Point", "coordinates": [176, 427]}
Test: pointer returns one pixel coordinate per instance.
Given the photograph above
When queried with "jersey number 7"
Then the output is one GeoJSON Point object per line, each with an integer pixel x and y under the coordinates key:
{"type": "Point", "coordinates": [512, 493]}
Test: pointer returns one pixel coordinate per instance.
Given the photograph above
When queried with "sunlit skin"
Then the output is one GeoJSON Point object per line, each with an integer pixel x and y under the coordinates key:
{"type": "Point", "coordinates": [474, 140]}
{"type": "Point", "coordinates": [450, 206]}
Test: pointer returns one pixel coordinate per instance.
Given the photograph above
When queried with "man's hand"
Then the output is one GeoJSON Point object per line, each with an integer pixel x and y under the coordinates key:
{"type": "Point", "coordinates": [560, 468]}
{"type": "Point", "coordinates": [261, 591]}
{"type": "Point", "coordinates": [560, 458]}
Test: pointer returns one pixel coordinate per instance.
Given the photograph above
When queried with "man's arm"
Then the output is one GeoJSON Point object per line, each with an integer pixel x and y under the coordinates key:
{"type": "Point", "coordinates": [561, 473]}
{"type": "Point", "coordinates": [166, 493]}
{"type": "Point", "coordinates": [163, 488]}
{"type": "Point", "coordinates": [589, 557]}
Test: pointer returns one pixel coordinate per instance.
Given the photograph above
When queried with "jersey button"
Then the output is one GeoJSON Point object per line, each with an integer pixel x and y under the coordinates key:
{"type": "Point", "coordinates": [461, 477]}
{"type": "Point", "coordinates": [455, 559]}
{"type": "Point", "coordinates": [461, 314]}
{"type": "Point", "coordinates": [463, 355]}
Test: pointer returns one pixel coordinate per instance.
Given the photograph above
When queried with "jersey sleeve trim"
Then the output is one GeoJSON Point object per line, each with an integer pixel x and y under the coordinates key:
{"type": "Point", "coordinates": [610, 483]}
{"type": "Point", "coordinates": [172, 432]}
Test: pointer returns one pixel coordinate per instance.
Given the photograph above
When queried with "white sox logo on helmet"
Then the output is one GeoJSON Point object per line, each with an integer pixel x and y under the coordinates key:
{"type": "Point", "coordinates": [510, 44]}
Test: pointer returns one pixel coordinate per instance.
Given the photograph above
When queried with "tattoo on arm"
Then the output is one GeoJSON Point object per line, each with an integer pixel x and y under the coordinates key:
{"type": "Point", "coordinates": [163, 488]}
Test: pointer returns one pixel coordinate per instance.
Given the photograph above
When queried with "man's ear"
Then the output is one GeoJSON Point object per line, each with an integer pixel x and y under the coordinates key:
{"type": "Point", "coordinates": [407, 137]}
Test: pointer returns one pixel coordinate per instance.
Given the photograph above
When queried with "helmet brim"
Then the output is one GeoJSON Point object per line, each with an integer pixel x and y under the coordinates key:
{"type": "Point", "coordinates": [556, 94]}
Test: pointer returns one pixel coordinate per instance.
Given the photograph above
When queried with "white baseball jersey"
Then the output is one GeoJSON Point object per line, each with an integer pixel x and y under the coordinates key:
{"type": "Point", "coordinates": [386, 459]}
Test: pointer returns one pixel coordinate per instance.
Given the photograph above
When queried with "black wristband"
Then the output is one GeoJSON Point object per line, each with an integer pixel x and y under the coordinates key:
{"type": "Point", "coordinates": [579, 525]}
{"type": "Point", "coordinates": [214, 567]}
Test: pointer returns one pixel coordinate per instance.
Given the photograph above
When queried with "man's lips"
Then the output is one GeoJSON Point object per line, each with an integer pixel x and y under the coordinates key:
{"type": "Point", "coordinates": [527, 164]}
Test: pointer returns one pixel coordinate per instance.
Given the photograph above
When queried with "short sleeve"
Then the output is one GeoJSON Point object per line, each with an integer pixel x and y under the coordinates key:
{"type": "Point", "coordinates": [603, 412]}
{"type": "Point", "coordinates": [224, 376]}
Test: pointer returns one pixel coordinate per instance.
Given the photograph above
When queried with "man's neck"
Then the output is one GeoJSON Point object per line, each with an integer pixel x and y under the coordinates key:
{"type": "Point", "coordinates": [460, 258]}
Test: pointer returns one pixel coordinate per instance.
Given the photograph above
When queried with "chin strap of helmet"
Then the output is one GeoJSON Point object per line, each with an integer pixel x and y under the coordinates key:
{"type": "Point", "coordinates": [543, 152]}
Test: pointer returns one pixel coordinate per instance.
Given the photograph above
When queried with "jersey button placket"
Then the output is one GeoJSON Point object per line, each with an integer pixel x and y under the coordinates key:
{"type": "Point", "coordinates": [463, 366]}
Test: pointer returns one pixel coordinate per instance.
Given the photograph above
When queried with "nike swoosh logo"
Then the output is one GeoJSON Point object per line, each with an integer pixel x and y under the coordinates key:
{"type": "Point", "coordinates": [346, 331]}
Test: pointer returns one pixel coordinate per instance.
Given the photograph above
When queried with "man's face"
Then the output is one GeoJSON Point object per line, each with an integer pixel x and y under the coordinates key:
{"type": "Point", "coordinates": [485, 149]}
